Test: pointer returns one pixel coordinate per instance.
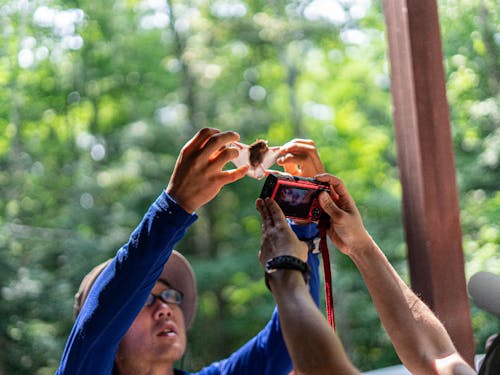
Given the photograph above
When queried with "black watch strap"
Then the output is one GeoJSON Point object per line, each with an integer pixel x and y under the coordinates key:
{"type": "Point", "coordinates": [287, 262]}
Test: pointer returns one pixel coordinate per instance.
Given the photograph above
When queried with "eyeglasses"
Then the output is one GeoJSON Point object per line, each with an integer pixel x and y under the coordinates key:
{"type": "Point", "coordinates": [166, 296]}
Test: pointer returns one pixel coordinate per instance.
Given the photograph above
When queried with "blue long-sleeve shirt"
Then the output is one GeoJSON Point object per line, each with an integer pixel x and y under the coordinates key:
{"type": "Point", "coordinates": [121, 289]}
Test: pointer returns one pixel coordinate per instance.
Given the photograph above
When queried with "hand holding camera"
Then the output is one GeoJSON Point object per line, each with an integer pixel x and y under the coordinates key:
{"type": "Point", "coordinates": [346, 228]}
{"type": "Point", "coordinates": [277, 236]}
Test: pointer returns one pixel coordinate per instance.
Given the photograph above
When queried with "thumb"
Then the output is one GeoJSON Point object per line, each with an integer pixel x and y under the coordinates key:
{"type": "Point", "coordinates": [328, 205]}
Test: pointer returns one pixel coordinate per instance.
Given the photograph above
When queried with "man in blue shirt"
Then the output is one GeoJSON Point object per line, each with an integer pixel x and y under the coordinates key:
{"type": "Point", "coordinates": [133, 310]}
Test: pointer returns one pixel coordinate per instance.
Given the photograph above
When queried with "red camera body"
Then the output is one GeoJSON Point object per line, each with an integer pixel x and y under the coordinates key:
{"type": "Point", "coordinates": [297, 196]}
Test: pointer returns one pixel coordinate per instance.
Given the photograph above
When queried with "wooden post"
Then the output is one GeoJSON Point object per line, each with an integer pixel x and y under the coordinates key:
{"type": "Point", "coordinates": [426, 164]}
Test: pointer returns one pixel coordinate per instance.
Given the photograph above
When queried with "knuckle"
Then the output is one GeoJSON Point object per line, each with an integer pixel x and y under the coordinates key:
{"type": "Point", "coordinates": [206, 130]}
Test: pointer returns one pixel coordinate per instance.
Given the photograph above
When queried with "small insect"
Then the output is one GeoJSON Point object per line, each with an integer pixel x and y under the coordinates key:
{"type": "Point", "coordinates": [258, 156]}
{"type": "Point", "coordinates": [257, 150]}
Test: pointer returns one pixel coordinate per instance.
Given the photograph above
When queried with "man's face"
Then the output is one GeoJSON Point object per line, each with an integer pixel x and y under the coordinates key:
{"type": "Point", "coordinates": [157, 335]}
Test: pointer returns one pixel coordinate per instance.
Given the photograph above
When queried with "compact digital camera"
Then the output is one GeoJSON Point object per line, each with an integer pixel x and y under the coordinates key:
{"type": "Point", "coordinates": [297, 196]}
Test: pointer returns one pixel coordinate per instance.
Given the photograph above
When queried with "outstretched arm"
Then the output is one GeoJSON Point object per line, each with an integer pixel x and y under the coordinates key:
{"type": "Point", "coordinates": [127, 280]}
{"type": "Point", "coordinates": [313, 346]}
{"type": "Point", "coordinates": [418, 336]}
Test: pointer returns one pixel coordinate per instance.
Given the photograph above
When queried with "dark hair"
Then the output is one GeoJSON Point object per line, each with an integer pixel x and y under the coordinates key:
{"type": "Point", "coordinates": [491, 361]}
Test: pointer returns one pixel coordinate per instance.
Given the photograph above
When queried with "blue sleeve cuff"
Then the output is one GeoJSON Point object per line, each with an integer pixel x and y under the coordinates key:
{"type": "Point", "coordinates": [167, 204]}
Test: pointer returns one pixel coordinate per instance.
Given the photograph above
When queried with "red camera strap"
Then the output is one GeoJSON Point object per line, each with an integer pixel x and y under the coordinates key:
{"type": "Point", "coordinates": [327, 270]}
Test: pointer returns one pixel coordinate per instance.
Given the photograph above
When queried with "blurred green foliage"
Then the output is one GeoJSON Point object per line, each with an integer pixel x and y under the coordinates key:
{"type": "Point", "coordinates": [97, 98]}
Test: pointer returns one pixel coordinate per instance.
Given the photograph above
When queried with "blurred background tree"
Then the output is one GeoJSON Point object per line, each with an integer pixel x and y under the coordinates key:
{"type": "Point", "coordinates": [97, 98]}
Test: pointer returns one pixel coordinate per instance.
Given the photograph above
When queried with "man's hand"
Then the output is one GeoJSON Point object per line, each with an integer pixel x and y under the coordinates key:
{"type": "Point", "coordinates": [346, 225]}
{"type": "Point", "coordinates": [277, 236]}
{"type": "Point", "coordinates": [300, 158]}
{"type": "Point", "coordinates": [198, 174]}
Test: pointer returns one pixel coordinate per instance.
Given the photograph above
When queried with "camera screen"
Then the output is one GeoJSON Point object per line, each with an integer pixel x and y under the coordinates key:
{"type": "Point", "coordinates": [294, 201]}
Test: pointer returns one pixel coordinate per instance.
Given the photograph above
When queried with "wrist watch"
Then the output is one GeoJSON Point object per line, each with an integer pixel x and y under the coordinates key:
{"type": "Point", "coordinates": [286, 262]}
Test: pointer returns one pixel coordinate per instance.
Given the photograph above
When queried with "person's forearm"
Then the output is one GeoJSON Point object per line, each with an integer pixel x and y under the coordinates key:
{"type": "Point", "coordinates": [417, 335]}
{"type": "Point", "coordinates": [313, 346]}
